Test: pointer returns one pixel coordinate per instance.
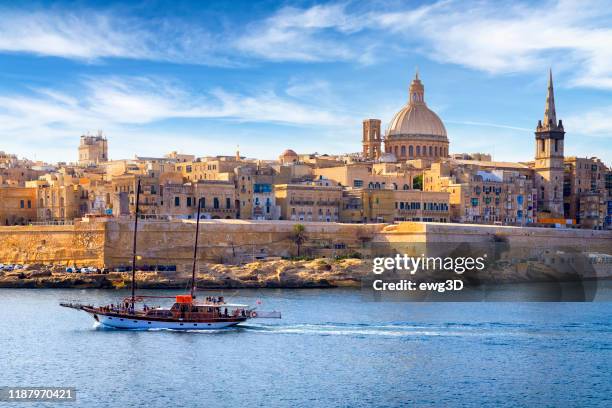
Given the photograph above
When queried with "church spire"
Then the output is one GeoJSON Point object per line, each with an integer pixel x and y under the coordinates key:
{"type": "Point", "coordinates": [550, 115]}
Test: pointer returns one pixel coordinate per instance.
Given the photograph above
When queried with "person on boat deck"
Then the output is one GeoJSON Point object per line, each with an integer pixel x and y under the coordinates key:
{"type": "Point", "coordinates": [225, 312]}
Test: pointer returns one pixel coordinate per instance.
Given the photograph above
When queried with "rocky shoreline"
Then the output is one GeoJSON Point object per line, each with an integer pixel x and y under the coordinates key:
{"type": "Point", "coordinates": [318, 273]}
{"type": "Point", "coordinates": [280, 273]}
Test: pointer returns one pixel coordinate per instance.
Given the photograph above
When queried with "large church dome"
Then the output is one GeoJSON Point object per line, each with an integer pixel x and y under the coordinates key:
{"type": "Point", "coordinates": [416, 119]}
{"type": "Point", "coordinates": [416, 131]}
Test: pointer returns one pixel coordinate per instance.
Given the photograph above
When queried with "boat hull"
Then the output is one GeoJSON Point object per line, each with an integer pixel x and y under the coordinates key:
{"type": "Point", "coordinates": [143, 323]}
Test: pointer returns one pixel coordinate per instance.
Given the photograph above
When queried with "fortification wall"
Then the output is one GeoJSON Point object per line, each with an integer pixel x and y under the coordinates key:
{"type": "Point", "coordinates": [109, 242]}
{"type": "Point", "coordinates": [431, 233]}
{"type": "Point", "coordinates": [163, 243]}
{"type": "Point", "coordinates": [79, 244]}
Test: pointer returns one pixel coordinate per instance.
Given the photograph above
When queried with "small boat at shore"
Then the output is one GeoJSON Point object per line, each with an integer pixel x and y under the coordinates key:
{"type": "Point", "coordinates": [186, 312]}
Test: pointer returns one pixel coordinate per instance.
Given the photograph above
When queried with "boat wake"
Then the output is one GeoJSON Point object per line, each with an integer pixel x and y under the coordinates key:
{"type": "Point", "coordinates": [405, 330]}
{"type": "Point", "coordinates": [363, 330]}
{"type": "Point", "coordinates": [355, 330]}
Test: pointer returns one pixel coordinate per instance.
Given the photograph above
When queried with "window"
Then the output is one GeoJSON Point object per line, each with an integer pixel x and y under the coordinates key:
{"type": "Point", "coordinates": [188, 201]}
{"type": "Point", "coordinates": [177, 201]}
{"type": "Point", "coordinates": [403, 151]}
{"type": "Point", "coordinates": [418, 150]}
{"type": "Point", "coordinates": [215, 203]}
{"type": "Point", "coordinates": [228, 203]}
{"type": "Point", "coordinates": [357, 183]}
{"type": "Point", "coordinates": [411, 151]}
{"type": "Point", "coordinates": [474, 202]}
{"type": "Point", "coordinates": [262, 188]}
{"type": "Point", "coordinates": [22, 204]}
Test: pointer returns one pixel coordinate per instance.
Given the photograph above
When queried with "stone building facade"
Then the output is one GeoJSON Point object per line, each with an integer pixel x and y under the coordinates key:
{"type": "Point", "coordinates": [93, 150]}
{"type": "Point", "coordinates": [17, 205]}
{"type": "Point", "coordinates": [308, 202]}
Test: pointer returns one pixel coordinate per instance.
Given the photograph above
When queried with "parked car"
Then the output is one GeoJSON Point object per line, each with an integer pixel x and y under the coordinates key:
{"type": "Point", "coordinates": [8, 268]}
{"type": "Point", "coordinates": [70, 269]}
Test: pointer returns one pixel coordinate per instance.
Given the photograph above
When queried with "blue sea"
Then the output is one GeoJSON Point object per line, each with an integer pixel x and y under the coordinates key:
{"type": "Point", "coordinates": [331, 348]}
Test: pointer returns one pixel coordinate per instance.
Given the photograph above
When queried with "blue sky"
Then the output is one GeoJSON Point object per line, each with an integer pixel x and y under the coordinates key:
{"type": "Point", "coordinates": [203, 77]}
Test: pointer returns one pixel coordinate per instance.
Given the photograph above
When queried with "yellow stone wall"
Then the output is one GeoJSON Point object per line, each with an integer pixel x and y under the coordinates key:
{"type": "Point", "coordinates": [109, 242]}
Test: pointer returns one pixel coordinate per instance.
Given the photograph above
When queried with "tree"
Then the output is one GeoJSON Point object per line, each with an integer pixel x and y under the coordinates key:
{"type": "Point", "coordinates": [298, 236]}
{"type": "Point", "coordinates": [417, 182]}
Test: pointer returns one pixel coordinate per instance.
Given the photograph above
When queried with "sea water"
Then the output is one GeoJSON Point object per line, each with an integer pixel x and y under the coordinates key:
{"type": "Point", "coordinates": [331, 348]}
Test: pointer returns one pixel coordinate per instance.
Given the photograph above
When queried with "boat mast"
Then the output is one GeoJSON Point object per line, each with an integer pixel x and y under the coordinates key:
{"type": "Point", "coordinates": [195, 251]}
{"type": "Point", "coordinates": [134, 244]}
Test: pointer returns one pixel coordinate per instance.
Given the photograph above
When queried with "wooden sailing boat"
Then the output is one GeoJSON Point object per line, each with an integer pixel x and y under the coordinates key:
{"type": "Point", "coordinates": [186, 313]}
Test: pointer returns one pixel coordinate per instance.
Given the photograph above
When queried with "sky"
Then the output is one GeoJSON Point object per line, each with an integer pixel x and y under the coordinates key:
{"type": "Point", "coordinates": [204, 77]}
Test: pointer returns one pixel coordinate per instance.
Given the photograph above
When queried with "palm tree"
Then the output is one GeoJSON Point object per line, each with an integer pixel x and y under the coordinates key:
{"type": "Point", "coordinates": [298, 236]}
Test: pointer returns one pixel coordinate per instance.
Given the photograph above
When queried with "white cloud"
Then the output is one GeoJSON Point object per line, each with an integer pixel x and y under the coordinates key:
{"type": "Point", "coordinates": [90, 35]}
{"type": "Point", "coordinates": [123, 105]}
{"type": "Point", "coordinates": [294, 34]}
{"type": "Point", "coordinates": [597, 122]}
{"type": "Point", "coordinates": [495, 37]}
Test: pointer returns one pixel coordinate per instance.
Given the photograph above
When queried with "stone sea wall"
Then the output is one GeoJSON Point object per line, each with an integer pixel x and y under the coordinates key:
{"type": "Point", "coordinates": [109, 242]}
{"type": "Point", "coordinates": [81, 244]}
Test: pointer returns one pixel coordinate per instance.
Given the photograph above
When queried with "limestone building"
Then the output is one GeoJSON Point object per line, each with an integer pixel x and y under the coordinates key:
{"type": "Point", "coordinates": [388, 205]}
{"type": "Point", "coordinates": [216, 198]}
{"type": "Point", "coordinates": [255, 193]}
{"type": "Point", "coordinates": [59, 197]}
{"type": "Point", "coordinates": [586, 198]}
{"type": "Point", "coordinates": [395, 176]}
{"type": "Point", "coordinates": [17, 205]}
{"type": "Point", "coordinates": [93, 150]}
{"type": "Point", "coordinates": [500, 193]}
{"type": "Point", "coordinates": [309, 202]}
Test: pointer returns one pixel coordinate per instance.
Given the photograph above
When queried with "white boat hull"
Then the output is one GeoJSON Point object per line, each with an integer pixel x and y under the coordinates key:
{"type": "Point", "coordinates": [139, 323]}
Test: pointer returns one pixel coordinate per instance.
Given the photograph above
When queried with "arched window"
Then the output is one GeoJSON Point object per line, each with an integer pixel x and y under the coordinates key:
{"type": "Point", "coordinates": [406, 187]}
{"type": "Point", "coordinates": [215, 202]}
{"type": "Point", "coordinates": [411, 151]}
{"type": "Point", "coordinates": [396, 151]}
{"type": "Point", "coordinates": [418, 151]}
{"type": "Point", "coordinates": [430, 150]}
{"type": "Point", "coordinates": [436, 151]}
{"type": "Point", "coordinates": [424, 150]}
{"type": "Point", "coordinates": [403, 154]}
{"type": "Point", "coordinates": [377, 185]}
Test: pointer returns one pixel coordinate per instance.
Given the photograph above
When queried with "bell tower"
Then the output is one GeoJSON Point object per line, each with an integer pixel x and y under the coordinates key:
{"type": "Point", "coordinates": [549, 136]}
{"type": "Point", "coordinates": [372, 139]}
